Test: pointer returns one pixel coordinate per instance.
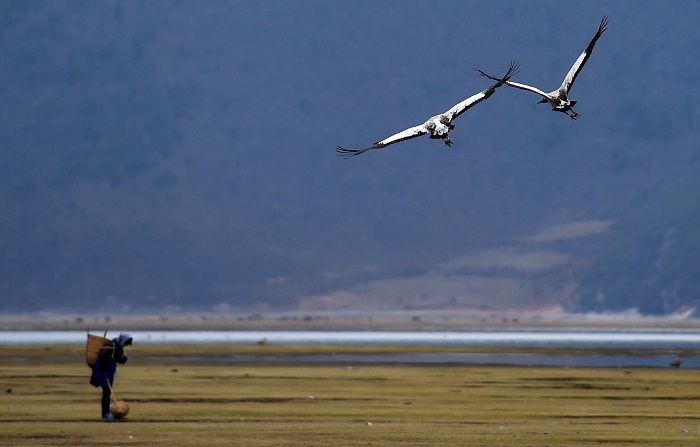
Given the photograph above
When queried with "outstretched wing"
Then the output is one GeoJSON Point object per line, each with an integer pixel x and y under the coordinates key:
{"type": "Point", "coordinates": [463, 106]}
{"type": "Point", "coordinates": [529, 88]}
{"type": "Point", "coordinates": [407, 134]}
{"type": "Point", "coordinates": [581, 61]}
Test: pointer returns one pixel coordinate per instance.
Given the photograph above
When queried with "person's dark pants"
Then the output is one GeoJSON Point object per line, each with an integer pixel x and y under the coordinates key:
{"type": "Point", "coordinates": [105, 399]}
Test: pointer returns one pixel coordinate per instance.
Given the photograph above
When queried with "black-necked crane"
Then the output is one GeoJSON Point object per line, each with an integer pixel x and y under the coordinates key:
{"type": "Point", "coordinates": [439, 126]}
{"type": "Point", "coordinates": [559, 98]}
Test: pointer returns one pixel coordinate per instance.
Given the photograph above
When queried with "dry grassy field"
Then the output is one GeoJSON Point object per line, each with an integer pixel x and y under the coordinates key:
{"type": "Point", "coordinates": [46, 401]}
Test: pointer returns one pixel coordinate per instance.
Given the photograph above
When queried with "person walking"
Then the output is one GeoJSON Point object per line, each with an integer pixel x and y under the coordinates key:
{"type": "Point", "coordinates": [112, 352]}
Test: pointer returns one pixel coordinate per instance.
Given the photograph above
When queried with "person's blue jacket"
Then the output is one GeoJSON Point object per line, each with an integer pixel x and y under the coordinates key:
{"type": "Point", "coordinates": [106, 364]}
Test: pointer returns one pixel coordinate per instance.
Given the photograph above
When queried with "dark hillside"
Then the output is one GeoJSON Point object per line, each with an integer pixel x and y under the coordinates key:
{"type": "Point", "coordinates": [180, 155]}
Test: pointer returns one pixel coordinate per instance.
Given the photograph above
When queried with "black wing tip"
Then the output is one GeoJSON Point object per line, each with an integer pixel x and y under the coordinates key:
{"type": "Point", "coordinates": [345, 152]}
{"type": "Point", "coordinates": [512, 71]}
{"type": "Point", "coordinates": [601, 29]}
{"type": "Point", "coordinates": [484, 74]}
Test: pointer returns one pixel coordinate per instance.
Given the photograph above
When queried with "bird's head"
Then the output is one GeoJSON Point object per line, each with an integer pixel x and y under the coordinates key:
{"type": "Point", "coordinates": [542, 101]}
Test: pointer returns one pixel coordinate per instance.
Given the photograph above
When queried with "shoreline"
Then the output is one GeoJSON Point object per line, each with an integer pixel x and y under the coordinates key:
{"type": "Point", "coordinates": [337, 320]}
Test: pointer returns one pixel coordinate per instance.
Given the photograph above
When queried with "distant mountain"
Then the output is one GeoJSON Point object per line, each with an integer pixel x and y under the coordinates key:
{"type": "Point", "coordinates": [650, 259]}
{"type": "Point", "coordinates": [180, 155]}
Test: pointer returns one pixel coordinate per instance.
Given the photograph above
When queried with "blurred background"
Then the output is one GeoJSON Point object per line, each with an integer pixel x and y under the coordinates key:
{"type": "Point", "coordinates": [179, 156]}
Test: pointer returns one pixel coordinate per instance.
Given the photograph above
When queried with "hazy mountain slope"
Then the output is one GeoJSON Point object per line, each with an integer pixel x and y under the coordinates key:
{"type": "Point", "coordinates": [649, 261]}
{"type": "Point", "coordinates": [181, 154]}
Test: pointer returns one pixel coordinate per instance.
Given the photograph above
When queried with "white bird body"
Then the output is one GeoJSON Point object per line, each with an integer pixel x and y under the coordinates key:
{"type": "Point", "coordinates": [559, 98]}
{"type": "Point", "coordinates": [438, 126]}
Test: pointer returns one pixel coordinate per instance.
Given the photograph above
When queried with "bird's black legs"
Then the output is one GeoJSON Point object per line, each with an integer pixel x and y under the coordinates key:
{"type": "Point", "coordinates": [573, 115]}
{"type": "Point", "coordinates": [444, 137]}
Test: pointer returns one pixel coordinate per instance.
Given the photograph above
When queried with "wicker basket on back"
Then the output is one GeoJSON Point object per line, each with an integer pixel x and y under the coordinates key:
{"type": "Point", "coordinates": [93, 347]}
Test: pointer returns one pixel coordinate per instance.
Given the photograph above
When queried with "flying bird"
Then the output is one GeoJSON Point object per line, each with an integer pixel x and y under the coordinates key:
{"type": "Point", "coordinates": [559, 98]}
{"type": "Point", "coordinates": [438, 126]}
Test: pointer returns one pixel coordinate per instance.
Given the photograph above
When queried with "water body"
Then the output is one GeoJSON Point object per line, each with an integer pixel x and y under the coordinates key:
{"type": "Point", "coordinates": [648, 347]}
{"type": "Point", "coordinates": [501, 359]}
{"type": "Point", "coordinates": [569, 338]}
